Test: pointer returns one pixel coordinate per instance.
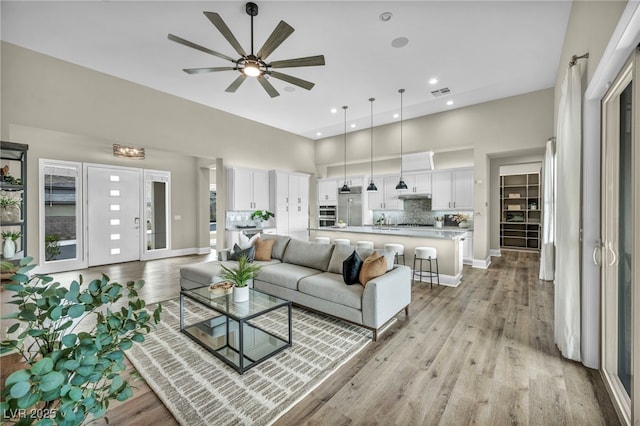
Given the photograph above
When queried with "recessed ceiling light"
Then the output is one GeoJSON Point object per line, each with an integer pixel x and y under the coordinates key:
{"type": "Point", "coordinates": [385, 16]}
{"type": "Point", "coordinates": [399, 42]}
{"type": "Point", "coordinates": [396, 115]}
{"type": "Point", "coordinates": [333, 110]}
{"type": "Point", "coordinates": [449, 103]}
{"type": "Point", "coordinates": [433, 80]}
{"type": "Point", "coordinates": [353, 126]}
{"type": "Point", "coordinates": [319, 134]}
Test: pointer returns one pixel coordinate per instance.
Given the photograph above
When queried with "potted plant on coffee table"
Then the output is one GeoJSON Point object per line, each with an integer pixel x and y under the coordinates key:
{"type": "Point", "coordinates": [240, 276]}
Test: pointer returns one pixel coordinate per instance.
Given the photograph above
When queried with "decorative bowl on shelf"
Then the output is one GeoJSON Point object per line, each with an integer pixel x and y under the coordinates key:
{"type": "Point", "coordinates": [341, 225]}
{"type": "Point", "coordinates": [220, 289]}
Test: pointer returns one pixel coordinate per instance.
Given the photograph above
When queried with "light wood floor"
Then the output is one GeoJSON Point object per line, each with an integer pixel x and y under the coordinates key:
{"type": "Point", "coordinates": [482, 353]}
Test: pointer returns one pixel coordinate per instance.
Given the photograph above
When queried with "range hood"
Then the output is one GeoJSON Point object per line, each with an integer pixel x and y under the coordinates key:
{"type": "Point", "coordinates": [414, 196]}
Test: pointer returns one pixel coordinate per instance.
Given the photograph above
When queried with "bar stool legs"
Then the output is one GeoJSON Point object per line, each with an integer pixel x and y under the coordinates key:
{"type": "Point", "coordinates": [429, 254]}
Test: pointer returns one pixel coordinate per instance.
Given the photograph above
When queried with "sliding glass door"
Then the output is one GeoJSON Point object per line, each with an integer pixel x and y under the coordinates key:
{"type": "Point", "coordinates": [621, 243]}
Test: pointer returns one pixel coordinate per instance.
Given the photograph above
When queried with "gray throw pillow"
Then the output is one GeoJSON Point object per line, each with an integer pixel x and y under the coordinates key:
{"type": "Point", "coordinates": [238, 253]}
{"type": "Point", "coordinates": [351, 269]}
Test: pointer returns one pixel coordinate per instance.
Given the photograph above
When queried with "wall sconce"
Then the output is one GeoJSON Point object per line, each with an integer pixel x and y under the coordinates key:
{"type": "Point", "coordinates": [130, 152]}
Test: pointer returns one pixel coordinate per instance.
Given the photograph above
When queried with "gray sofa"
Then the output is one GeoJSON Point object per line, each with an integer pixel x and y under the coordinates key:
{"type": "Point", "coordinates": [310, 275]}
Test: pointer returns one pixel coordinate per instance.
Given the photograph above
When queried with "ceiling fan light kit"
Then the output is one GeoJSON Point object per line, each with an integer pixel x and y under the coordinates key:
{"type": "Point", "coordinates": [253, 64]}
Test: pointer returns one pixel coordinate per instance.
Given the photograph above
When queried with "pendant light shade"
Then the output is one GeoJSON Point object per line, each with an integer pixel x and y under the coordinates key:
{"type": "Point", "coordinates": [372, 186]}
{"type": "Point", "coordinates": [345, 188]}
{"type": "Point", "coordinates": [401, 184]}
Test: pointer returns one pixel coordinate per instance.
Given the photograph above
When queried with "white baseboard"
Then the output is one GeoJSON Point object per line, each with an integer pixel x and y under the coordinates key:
{"type": "Point", "coordinates": [446, 280]}
{"type": "Point", "coordinates": [495, 253]}
{"type": "Point", "coordinates": [482, 264]}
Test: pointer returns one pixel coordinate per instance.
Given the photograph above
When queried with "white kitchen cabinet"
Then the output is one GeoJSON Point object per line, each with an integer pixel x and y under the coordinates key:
{"type": "Point", "coordinates": [418, 183]}
{"type": "Point", "coordinates": [386, 198]}
{"type": "Point", "coordinates": [467, 248]}
{"type": "Point", "coordinates": [290, 203]}
{"type": "Point", "coordinates": [248, 189]}
{"type": "Point", "coordinates": [328, 191]}
{"type": "Point", "coordinates": [452, 190]}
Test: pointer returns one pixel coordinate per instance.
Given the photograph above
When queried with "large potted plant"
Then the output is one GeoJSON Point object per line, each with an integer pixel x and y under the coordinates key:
{"type": "Point", "coordinates": [70, 374]}
{"type": "Point", "coordinates": [240, 276]}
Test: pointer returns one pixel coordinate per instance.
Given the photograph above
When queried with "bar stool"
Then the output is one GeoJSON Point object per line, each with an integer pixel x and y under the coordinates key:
{"type": "Point", "coordinates": [430, 254]}
{"type": "Point", "coordinates": [365, 245]}
{"type": "Point", "coordinates": [322, 240]}
{"type": "Point", "coordinates": [343, 241]}
{"type": "Point", "coordinates": [398, 249]}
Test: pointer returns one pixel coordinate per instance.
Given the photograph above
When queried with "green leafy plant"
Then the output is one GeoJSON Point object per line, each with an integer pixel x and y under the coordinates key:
{"type": "Point", "coordinates": [69, 375]}
{"type": "Point", "coordinates": [11, 235]}
{"type": "Point", "coordinates": [51, 246]}
{"type": "Point", "coordinates": [241, 274]}
{"type": "Point", "coordinates": [262, 214]}
{"type": "Point", "coordinates": [9, 202]}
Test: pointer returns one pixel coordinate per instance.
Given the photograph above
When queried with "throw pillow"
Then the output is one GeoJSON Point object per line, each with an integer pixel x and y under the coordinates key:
{"type": "Point", "coordinates": [373, 266]}
{"type": "Point", "coordinates": [263, 249]}
{"type": "Point", "coordinates": [351, 269]}
{"type": "Point", "coordinates": [246, 242]}
{"type": "Point", "coordinates": [239, 252]}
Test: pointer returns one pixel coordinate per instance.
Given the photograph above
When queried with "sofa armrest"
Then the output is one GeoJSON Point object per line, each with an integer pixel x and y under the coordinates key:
{"type": "Point", "coordinates": [385, 296]}
{"type": "Point", "coordinates": [223, 254]}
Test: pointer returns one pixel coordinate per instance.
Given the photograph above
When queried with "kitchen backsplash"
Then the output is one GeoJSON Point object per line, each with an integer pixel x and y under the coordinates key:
{"type": "Point", "coordinates": [418, 211]}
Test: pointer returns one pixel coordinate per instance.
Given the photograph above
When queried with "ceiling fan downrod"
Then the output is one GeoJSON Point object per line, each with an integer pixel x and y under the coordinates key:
{"type": "Point", "coordinates": [252, 10]}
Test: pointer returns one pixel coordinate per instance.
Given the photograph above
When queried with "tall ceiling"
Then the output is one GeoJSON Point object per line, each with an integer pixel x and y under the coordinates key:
{"type": "Point", "coordinates": [479, 50]}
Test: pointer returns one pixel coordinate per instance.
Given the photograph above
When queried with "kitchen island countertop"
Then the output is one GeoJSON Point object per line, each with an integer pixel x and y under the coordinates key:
{"type": "Point", "coordinates": [448, 233]}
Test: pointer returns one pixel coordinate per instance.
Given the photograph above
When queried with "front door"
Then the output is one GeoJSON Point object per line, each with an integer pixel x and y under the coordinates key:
{"type": "Point", "coordinates": [113, 214]}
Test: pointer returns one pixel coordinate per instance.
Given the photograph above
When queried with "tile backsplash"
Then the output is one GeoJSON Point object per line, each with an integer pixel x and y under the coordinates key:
{"type": "Point", "coordinates": [418, 211]}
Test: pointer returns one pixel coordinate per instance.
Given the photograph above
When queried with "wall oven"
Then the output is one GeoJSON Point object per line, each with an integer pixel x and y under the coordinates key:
{"type": "Point", "coordinates": [326, 216]}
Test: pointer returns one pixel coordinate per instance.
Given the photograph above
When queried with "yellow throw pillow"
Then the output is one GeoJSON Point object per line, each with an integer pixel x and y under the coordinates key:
{"type": "Point", "coordinates": [263, 249]}
{"type": "Point", "coordinates": [373, 266]}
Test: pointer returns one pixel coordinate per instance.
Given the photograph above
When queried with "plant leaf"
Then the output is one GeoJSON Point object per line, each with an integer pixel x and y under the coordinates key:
{"type": "Point", "coordinates": [75, 311]}
{"type": "Point", "coordinates": [51, 381]}
{"type": "Point", "coordinates": [69, 340]}
{"type": "Point", "coordinates": [41, 367]}
{"type": "Point", "coordinates": [18, 376]}
{"type": "Point", "coordinates": [20, 389]}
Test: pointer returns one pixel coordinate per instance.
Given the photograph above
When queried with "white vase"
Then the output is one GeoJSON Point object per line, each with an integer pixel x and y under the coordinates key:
{"type": "Point", "coordinates": [241, 294]}
{"type": "Point", "coordinates": [463, 224]}
{"type": "Point", "coordinates": [9, 248]}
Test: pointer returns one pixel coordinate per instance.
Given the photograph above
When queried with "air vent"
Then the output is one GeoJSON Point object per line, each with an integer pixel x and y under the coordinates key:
{"type": "Point", "coordinates": [441, 92]}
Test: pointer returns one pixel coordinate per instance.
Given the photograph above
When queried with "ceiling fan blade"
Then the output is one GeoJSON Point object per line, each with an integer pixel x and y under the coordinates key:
{"type": "Point", "coordinates": [308, 61]}
{"type": "Point", "coordinates": [280, 34]}
{"type": "Point", "coordinates": [217, 21]}
{"type": "Point", "coordinates": [236, 83]}
{"type": "Point", "coordinates": [268, 87]}
{"type": "Point", "coordinates": [291, 79]}
{"type": "Point", "coordinates": [206, 70]}
{"type": "Point", "coordinates": [200, 48]}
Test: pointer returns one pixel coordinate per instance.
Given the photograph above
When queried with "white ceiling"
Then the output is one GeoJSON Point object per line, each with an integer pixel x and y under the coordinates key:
{"type": "Point", "coordinates": [481, 50]}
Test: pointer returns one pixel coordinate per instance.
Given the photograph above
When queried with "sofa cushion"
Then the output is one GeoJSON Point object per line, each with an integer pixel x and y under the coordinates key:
{"type": "Point", "coordinates": [351, 269]}
{"type": "Point", "coordinates": [311, 255]}
{"type": "Point", "coordinates": [238, 252]}
{"type": "Point", "coordinates": [263, 249]}
{"type": "Point", "coordinates": [285, 274]}
{"type": "Point", "coordinates": [389, 257]}
{"type": "Point", "coordinates": [279, 246]}
{"type": "Point", "coordinates": [206, 272]}
{"type": "Point", "coordinates": [245, 242]}
{"type": "Point", "coordinates": [340, 254]}
{"type": "Point", "coordinates": [329, 286]}
{"type": "Point", "coordinates": [373, 266]}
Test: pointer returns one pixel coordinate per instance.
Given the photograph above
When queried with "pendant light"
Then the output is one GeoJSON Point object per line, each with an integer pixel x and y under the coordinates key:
{"type": "Point", "coordinates": [372, 186]}
{"type": "Point", "coordinates": [401, 184]}
{"type": "Point", "coordinates": [345, 188]}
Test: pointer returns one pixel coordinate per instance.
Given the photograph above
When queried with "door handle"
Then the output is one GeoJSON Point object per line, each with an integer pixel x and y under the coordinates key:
{"type": "Point", "coordinates": [136, 221]}
{"type": "Point", "coordinates": [596, 248]}
{"type": "Point", "coordinates": [613, 253]}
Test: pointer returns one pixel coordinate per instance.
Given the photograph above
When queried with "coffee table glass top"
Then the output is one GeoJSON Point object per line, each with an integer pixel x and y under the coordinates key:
{"type": "Point", "coordinates": [257, 304]}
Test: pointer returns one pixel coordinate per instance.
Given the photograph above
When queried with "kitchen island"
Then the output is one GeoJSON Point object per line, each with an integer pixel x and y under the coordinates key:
{"type": "Point", "coordinates": [447, 241]}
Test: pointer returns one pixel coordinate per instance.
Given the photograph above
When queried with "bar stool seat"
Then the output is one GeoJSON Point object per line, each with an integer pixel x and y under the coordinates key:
{"type": "Point", "coordinates": [398, 249]}
{"type": "Point", "coordinates": [344, 241]}
{"type": "Point", "coordinates": [429, 254]}
{"type": "Point", "coordinates": [365, 245]}
{"type": "Point", "coordinates": [322, 240]}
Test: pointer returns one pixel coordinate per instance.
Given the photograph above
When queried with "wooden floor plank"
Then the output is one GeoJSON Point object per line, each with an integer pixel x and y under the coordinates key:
{"type": "Point", "coordinates": [482, 353]}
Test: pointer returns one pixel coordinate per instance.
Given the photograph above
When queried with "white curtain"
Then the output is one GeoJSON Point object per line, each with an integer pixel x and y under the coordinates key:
{"type": "Point", "coordinates": [547, 252]}
{"type": "Point", "coordinates": [567, 261]}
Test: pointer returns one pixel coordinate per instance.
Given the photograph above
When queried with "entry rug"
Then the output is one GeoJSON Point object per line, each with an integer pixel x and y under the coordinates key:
{"type": "Point", "coordinates": [200, 389]}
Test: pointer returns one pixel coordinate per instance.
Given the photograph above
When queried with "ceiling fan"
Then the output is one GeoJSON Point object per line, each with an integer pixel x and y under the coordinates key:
{"type": "Point", "coordinates": [254, 65]}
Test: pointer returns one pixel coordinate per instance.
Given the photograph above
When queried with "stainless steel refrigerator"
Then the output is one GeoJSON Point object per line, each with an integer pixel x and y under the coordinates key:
{"type": "Point", "coordinates": [350, 207]}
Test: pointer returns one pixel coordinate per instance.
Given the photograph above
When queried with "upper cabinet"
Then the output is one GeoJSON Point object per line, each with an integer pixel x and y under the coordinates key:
{"type": "Point", "coordinates": [386, 198]}
{"type": "Point", "coordinates": [248, 189]}
{"type": "Point", "coordinates": [13, 200]}
{"type": "Point", "coordinates": [452, 190]}
{"type": "Point", "coordinates": [328, 192]}
{"type": "Point", "coordinates": [418, 183]}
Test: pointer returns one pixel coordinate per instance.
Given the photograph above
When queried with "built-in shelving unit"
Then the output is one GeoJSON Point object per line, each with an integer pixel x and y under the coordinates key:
{"type": "Point", "coordinates": [13, 186]}
{"type": "Point", "coordinates": [520, 214]}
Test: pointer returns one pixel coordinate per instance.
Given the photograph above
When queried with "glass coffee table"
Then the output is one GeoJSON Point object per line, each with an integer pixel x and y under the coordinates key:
{"type": "Point", "coordinates": [230, 335]}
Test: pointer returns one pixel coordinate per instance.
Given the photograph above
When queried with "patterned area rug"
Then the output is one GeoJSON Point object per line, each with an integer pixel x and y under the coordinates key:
{"type": "Point", "coordinates": [200, 389]}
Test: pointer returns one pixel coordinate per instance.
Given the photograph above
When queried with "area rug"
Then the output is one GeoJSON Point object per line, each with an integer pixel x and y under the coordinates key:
{"type": "Point", "coordinates": [200, 389]}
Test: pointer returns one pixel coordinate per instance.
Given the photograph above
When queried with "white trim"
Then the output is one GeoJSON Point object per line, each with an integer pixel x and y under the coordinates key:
{"type": "Point", "coordinates": [445, 280]}
{"type": "Point", "coordinates": [482, 264]}
{"type": "Point", "coordinates": [495, 253]}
